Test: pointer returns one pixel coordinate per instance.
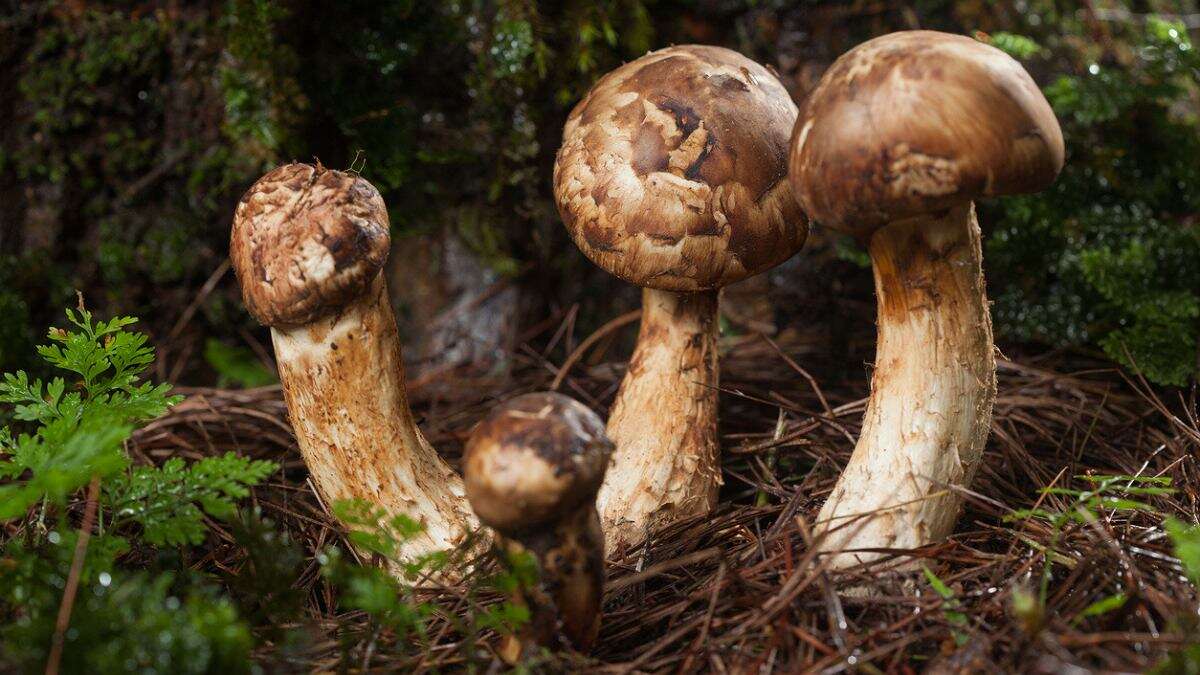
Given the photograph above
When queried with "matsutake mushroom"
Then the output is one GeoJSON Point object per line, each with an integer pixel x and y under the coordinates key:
{"type": "Point", "coordinates": [893, 145]}
{"type": "Point", "coordinates": [532, 469]}
{"type": "Point", "coordinates": [672, 176]}
{"type": "Point", "coordinates": [308, 245]}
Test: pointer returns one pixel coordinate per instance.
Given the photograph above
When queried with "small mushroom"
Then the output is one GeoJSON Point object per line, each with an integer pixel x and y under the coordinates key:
{"type": "Point", "coordinates": [896, 141]}
{"type": "Point", "coordinates": [671, 176]}
{"type": "Point", "coordinates": [308, 244]}
{"type": "Point", "coordinates": [532, 469]}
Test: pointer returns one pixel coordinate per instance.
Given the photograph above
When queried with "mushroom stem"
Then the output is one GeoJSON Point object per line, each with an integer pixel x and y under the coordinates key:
{"type": "Point", "coordinates": [532, 469]}
{"type": "Point", "coordinates": [565, 597]}
{"type": "Point", "coordinates": [343, 379]}
{"type": "Point", "coordinates": [931, 394]}
{"type": "Point", "coordinates": [664, 420]}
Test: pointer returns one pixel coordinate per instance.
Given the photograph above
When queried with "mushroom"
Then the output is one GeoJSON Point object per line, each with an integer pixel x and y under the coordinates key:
{"type": "Point", "coordinates": [532, 469]}
{"type": "Point", "coordinates": [308, 245]}
{"type": "Point", "coordinates": [893, 145]}
{"type": "Point", "coordinates": [671, 176]}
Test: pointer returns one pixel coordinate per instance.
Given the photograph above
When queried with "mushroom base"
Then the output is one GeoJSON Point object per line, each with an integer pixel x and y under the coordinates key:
{"type": "Point", "coordinates": [343, 380]}
{"type": "Point", "coordinates": [664, 420]}
{"type": "Point", "coordinates": [564, 601]}
{"type": "Point", "coordinates": [931, 401]}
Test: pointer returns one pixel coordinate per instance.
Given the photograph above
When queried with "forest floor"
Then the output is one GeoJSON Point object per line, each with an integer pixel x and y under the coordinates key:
{"type": "Point", "coordinates": [1032, 581]}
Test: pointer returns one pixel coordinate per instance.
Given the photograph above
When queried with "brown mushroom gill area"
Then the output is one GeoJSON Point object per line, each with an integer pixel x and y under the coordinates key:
{"type": "Point", "coordinates": [918, 122]}
{"type": "Point", "coordinates": [305, 241]}
{"type": "Point", "coordinates": [672, 171]}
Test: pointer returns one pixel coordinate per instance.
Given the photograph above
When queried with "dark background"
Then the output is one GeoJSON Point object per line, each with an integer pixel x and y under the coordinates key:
{"type": "Point", "coordinates": [129, 130]}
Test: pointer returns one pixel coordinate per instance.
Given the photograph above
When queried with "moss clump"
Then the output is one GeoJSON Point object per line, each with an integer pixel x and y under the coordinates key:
{"type": "Point", "coordinates": [1110, 255]}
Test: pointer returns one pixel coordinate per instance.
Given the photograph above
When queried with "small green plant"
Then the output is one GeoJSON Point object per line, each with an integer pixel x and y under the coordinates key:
{"type": "Point", "coordinates": [520, 571]}
{"type": "Point", "coordinates": [1017, 46]}
{"type": "Point", "coordinates": [73, 431]}
{"type": "Point", "coordinates": [79, 430]}
{"type": "Point", "coordinates": [950, 607]}
{"type": "Point", "coordinates": [1186, 541]}
{"type": "Point", "coordinates": [169, 502]}
{"type": "Point", "coordinates": [1105, 493]}
{"type": "Point", "coordinates": [392, 603]}
{"type": "Point", "coordinates": [372, 589]}
{"type": "Point", "coordinates": [122, 621]}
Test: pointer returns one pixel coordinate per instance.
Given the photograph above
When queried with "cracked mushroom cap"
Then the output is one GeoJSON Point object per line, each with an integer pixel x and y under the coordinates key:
{"type": "Point", "coordinates": [307, 240]}
{"type": "Point", "coordinates": [918, 122]}
{"type": "Point", "coordinates": [534, 459]}
{"type": "Point", "coordinates": [672, 171]}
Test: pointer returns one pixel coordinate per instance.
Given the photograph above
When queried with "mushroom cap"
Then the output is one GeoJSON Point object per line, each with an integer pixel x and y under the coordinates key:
{"type": "Point", "coordinates": [534, 459]}
{"type": "Point", "coordinates": [917, 122]}
{"type": "Point", "coordinates": [307, 240]}
{"type": "Point", "coordinates": [672, 170]}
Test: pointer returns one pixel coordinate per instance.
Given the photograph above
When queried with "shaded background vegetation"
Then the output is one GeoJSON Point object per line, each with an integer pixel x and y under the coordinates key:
{"type": "Point", "coordinates": [130, 129]}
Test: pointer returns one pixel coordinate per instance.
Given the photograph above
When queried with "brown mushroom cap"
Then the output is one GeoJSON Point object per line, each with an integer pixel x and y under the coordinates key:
{"type": "Point", "coordinates": [672, 171]}
{"type": "Point", "coordinates": [306, 240]}
{"type": "Point", "coordinates": [917, 122]}
{"type": "Point", "coordinates": [534, 459]}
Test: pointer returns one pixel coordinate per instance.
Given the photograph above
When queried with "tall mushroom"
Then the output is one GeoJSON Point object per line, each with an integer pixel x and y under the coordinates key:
{"type": "Point", "coordinates": [671, 176]}
{"type": "Point", "coordinates": [893, 145]}
{"type": "Point", "coordinates": [308, 245]}
{"type": "Point", "coordinates": [532, 469]}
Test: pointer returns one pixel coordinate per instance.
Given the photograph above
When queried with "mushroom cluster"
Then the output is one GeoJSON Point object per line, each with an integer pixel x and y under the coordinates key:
{"type": "Point", "coordinates": [308, 245]}
{"type": "Point", "coordinates": [681, 172]}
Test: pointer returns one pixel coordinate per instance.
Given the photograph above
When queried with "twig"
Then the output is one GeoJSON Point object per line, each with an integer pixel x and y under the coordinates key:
{"type": "Point", "coordinates": [68, 601]}
{"type": "Point", "coordinates": [812, 381]}
{"type": "Point", "coordinates": [141, 184]}
{"type": "Point", "coordinates": [201, 295]}
{"type": "Point", "coordinates": [659, 568]}
{"type": "Point", "coordinates": [626, 318]}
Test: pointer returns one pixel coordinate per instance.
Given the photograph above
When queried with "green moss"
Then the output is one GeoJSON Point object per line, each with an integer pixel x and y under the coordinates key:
{"type": "Point", "coordinates": [137, 130]}
{"type": "Point", "coordinates": [1110, 255]}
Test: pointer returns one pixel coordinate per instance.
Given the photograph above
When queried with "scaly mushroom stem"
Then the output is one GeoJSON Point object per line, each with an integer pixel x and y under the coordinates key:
{"type": "Point", "coordinates": [931, 395]}
{"type": "Point", "coordinates": [671, 176]}
{"type": "Point", "coordinates": [343, 379]}
{"type": "Point", "coordinates": [664, 420]}
{"type": "Point", "coordinates": [565, 597]}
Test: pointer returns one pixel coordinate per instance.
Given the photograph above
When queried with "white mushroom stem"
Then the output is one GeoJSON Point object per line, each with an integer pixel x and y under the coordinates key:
{"type": "Point", "coordinates": [343, 378]}
{"type": "Point", "coordinates": [931, 396]}
{"type": "Point", "coordinates": [664, 420]}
